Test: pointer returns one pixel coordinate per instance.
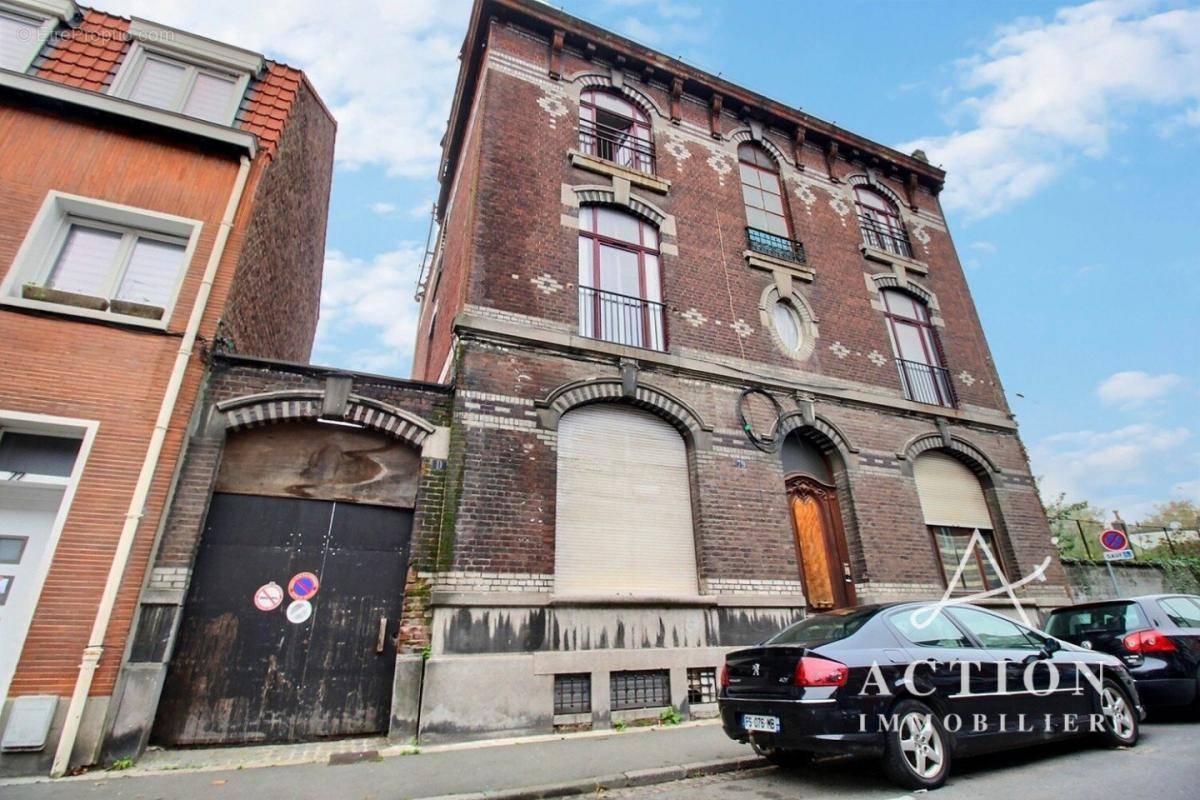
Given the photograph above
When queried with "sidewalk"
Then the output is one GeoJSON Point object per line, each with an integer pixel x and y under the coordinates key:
{"type": "Point", "coordinates": [573, 763]}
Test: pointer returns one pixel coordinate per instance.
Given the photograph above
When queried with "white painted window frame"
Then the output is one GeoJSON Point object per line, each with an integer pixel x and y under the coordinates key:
{"type": "Point", "coordinates": [135, 60]}
{"type": "Point", "coordinates": [83, 429]}
{"type": "Point", "coordinates": [44, 241]}
{"type": "Point", "coordinates": [34, 12]}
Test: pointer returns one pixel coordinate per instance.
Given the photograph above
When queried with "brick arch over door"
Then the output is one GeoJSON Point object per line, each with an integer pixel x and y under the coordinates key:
{"type": "Point", "coordinates": [612, 390]}
{"type": "Point", "coordinates": [821, 432]}
{"type": "Point", "coordinates": [293, 406]}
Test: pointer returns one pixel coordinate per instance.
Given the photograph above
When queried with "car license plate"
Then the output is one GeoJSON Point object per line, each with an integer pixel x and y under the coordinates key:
{"type": "Point", "coordinates": [755, 722]}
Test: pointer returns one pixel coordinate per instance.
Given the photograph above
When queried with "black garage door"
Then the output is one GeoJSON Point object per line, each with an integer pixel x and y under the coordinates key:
{"type": "Point", "coordinates": [241, 674]}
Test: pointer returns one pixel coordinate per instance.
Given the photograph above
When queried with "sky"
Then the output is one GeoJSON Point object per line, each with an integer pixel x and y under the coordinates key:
{"type": "Point", "coordinates": [1071, 136]}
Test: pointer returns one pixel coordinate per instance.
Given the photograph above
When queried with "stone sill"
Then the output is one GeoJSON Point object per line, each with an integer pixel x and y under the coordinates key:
{"type": "Point", "coordinates": [770, 263]}
{"type": "Point", "coordinates": [635, 178]}
{"type": "Point", "coordinates": [893, 260]}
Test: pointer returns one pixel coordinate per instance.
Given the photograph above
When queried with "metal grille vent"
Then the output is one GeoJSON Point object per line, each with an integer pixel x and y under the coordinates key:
{"type": "Point", "coordinates": [640, 689]}
{"type": "Point", "coordinates": [573, 694]}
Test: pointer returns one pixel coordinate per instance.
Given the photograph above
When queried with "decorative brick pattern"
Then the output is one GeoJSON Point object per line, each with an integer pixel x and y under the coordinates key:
{"type": "Point", "coordinates": [727, 586]}
{"type": "Point", "coordinates": [461, 581]}
{"type": "Point", "coordinates": [175, 578]}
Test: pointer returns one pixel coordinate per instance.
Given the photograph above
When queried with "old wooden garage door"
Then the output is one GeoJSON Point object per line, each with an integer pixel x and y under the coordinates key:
{"type": "Point", "coordinates": [241, 674]}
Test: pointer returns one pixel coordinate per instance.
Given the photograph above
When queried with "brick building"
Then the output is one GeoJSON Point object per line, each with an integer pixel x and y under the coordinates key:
{"type": "Point", "coordinates": [637, 260]}
{"type": "Point", "coordinates": [159, 193]}
{"type": "Point", "coordinates": [691, 364]}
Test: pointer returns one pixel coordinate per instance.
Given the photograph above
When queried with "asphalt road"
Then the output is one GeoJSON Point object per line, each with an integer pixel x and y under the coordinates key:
{"type": "Point", "coordinates": [1164, 765]}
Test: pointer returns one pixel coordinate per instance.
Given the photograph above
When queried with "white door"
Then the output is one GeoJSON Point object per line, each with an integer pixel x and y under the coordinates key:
{"type": "Point", "coordinates": [623, 525]}
{"type": "Point", "coordinates": [35, 476]}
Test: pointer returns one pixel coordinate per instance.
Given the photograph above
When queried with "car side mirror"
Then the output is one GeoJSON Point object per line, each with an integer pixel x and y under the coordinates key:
{"type": "Point", "coordinates": [1051, 646]}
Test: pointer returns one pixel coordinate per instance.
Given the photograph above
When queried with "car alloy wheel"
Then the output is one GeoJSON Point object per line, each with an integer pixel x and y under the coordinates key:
{"type": "Point", "coordinates": [1117, 714]}
{"type": "Point", "coordinates": [921, 745]}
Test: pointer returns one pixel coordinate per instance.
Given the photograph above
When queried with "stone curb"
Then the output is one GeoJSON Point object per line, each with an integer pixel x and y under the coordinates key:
{"type": "Point", "coordinates": [620, 780]}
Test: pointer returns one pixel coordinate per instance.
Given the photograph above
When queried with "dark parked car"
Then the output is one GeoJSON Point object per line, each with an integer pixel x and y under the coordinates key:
{"type": "Point", "coordinates": [918, 684]}
{"type": "Point", "coordinates": [1157, 636]}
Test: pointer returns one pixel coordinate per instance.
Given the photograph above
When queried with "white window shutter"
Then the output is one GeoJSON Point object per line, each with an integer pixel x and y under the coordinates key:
{"type": "Point", "coordinates": [624, 513]}
{"type": "Point", "coordinates": [86, 261]}
{"type": "Point", "coordinates": [950, 493]}
{"type": "Point", "coordinates": [152, 272]}
{"type": "Point", "coordinates": [210, 98]}
{"type": "Point", "coordinates": [158, 83]}
{"type": "Point", "coordinates": [18, 38]}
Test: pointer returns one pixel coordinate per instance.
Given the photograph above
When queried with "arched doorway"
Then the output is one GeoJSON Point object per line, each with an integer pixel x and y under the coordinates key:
{"type": "Point", "coordinates": [817, 524]}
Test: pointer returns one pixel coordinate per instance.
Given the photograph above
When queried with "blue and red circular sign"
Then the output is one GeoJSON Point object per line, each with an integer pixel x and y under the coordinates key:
{"type": "Point", "coordinates": [1114, 541]}
{"type": "Point", "coordinates": [303, 586]}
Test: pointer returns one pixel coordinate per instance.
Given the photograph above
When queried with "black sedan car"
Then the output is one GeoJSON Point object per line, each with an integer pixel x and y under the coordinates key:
{"type": "Point", "coordinates": [1156, 636]}
{"type": "Point", "coordinates": [918, 684]}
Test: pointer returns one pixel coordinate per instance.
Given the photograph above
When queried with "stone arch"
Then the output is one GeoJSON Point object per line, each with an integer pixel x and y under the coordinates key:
{"type": "Point", "coordinates": [299, 405]}
{"type": "Point", "coordinates": [747, 135]}
{"type": "Point", "coordinates": [969, 454]}
{"type": "Point", "coordinates": [613, 390]}
{"type": "Point", "coordinates": [820, 431]}
{"type": "Point", "coordinates": [595, 194]}
{"type": "Point", "coordinates": [896, 280]}
{"type": "Point", "coordinates": [862, 179]}
{"type": "Point", "coordinates": [599, 80]}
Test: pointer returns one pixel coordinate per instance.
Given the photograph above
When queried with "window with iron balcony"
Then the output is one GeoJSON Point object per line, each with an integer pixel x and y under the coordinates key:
{"type": "Point", "coordinates": [620, 285]}
{"type": "Point", "coordinates": [767, 229]}
{"type": "Point", "coordinates": [918, 351]}
{"type": "Point", "coordinates": [880, 222]}
{"type": "Point", "coordinates": [613, 129]}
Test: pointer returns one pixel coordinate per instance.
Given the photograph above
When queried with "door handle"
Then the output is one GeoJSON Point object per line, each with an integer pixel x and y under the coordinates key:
{"type": "Point", "coordinates": [846, 572]}
{"type": "Point", "coordinates": [382, 635]}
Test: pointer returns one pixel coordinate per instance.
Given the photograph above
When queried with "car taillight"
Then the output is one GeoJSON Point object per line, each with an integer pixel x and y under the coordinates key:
{"type": "Point", "coordinates": [820, 672]}
{"type": "Point", "coordinates": [725, 676]}
{"type": "Point", "coordinates": [1150, 641]}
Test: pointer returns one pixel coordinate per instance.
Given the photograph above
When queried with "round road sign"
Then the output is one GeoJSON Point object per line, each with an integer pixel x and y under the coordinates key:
{"type": "Point", "coordinates": [303, 586]}
{"type": "Point", "coordinates": [299, 611]}
{"type": "Point", "coordinates": [268, 596]}
{"type": "Point", "coordinates": [1114, 541]}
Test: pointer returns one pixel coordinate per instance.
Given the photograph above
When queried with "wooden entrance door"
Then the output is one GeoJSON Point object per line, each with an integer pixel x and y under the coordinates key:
{"type": "Point", "coordinates": [241, 674]}
{"type": "Point", "coordinates": [820, 544]}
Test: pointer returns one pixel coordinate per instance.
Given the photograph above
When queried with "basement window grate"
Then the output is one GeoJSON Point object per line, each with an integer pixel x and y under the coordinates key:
{"type": "Point", "coordinates": [573, 694]}
{"type": "Point", "coordinates": [702, 685]}
{"type": "Point", "coordinates": [649, 688]}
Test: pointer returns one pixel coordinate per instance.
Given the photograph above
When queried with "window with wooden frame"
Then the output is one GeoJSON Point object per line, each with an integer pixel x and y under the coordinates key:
{"type": "Point", "coordinates": [950, 545]}
{"type": "Point", "coordinates": [954, 507]}
{"type": "Point", "coordinates": [879, 219]}
{"type": "Point", "coordinates": [917, 349]}
{"type": "Point", "coordinates": [616, 130]}
{"type": "Point", "coordinates": [93, 258]}
{"type": "Point", "coordinates": [620, 284]}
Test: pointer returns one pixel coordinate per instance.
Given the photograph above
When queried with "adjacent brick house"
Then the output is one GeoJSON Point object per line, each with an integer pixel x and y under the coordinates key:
{"type": "Point", "coordinates": [159, 193]}
{"type": "Point", "coordinates": [637, 261]}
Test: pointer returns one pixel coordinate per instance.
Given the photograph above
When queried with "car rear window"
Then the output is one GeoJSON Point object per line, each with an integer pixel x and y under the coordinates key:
{"type": "Point", "coordinates": [1108, 618]}
{"type": "Point", "coordinates": [1183, 611]}
{"type": "Point", "coordinates": [822, 629]}
{"type": "Point", "coordinates": [924, 629]}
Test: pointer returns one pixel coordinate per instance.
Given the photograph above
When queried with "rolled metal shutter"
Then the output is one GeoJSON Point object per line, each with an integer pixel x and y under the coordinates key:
{"type": "Point", "coordinates": [623, 524]}
{"type": "Point", "coordinates": [950, 493]}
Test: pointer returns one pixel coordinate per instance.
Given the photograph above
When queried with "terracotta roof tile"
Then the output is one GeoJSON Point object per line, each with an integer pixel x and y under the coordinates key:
{"type": "Point", "coordinates": [89, 55]}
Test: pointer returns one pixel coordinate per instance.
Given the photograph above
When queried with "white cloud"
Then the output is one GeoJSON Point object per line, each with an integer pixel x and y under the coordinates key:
{"type": "Point", "coordinates": [389, 83]}
{"type": "Point", "coordinates": [1135, 389]}
{"type": "Point", "coordinates": [384, 209]}
{"type": "Point", "coordinates": [1045, 93]}
{"type": "Point", "coordinates": [369, 301]}
{"type": "Point", "coordinates": [1111, 469]}
{"type": "Point", "coordinates": [983, 247]}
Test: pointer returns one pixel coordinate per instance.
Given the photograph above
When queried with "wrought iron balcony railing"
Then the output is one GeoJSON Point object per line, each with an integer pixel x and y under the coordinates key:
{"type": "Point", "coordinates": [618, 146]}
{"type": "Point", "coordinates": [926, 383]}
{"type": "Point", "coordinates": [882, 237]}
{"type": "Point", "coordinates": [622, 319]}
{"type": "Point", "coordinates": [770, 244]}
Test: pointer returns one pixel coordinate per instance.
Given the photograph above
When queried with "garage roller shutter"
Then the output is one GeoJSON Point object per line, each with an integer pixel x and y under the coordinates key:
{"type": "Point", "coordinates": [950, 493]}
{"type": "Point", "coordinates": [624, 510]}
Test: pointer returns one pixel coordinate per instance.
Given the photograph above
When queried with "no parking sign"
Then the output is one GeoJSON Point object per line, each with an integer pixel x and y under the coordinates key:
{"type": "Point", "coordinates": [303, 586]}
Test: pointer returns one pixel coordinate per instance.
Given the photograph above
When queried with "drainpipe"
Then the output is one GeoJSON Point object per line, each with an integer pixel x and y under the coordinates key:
{"type": "Point", "coordinates": [137, 503]}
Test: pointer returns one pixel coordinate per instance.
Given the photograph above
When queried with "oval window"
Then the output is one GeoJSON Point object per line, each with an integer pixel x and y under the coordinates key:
{"type": "Point", "coordinates": [787, 325]}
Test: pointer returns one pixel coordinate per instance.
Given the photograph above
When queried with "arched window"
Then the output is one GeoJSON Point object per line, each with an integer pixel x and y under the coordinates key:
{"type": "Point", "coordinates": [612, 128]}
{"type": "Point", "coordinates": [766, 213]}
{"type": "Point", "coordinates": [880, 220]}
{"type": "Point", "coordinates": [917, 349]}
{"type": "Point", "coordinates": [623, 507]}
{"type": "Point", "coordinates": [954, 507]}
{"type": "Point", "coordinates": [620, 288]}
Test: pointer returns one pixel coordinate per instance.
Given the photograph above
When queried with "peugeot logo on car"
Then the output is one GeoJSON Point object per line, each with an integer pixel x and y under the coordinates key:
{"type": "Point", "coordinates": [754, 669]}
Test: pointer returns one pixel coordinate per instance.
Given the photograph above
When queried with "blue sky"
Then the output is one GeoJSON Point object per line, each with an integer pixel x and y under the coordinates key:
{"type": "Point", "coordinates": [1071, 135]}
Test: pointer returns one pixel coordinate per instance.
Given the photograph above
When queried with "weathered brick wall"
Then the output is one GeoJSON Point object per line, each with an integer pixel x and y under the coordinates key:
{"type": "Point", "coordinates": [525, 257]}
{"type": "Point", "coordinates": [276, 295]}
{"type": "Point", "coordinates": [61, 365]}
